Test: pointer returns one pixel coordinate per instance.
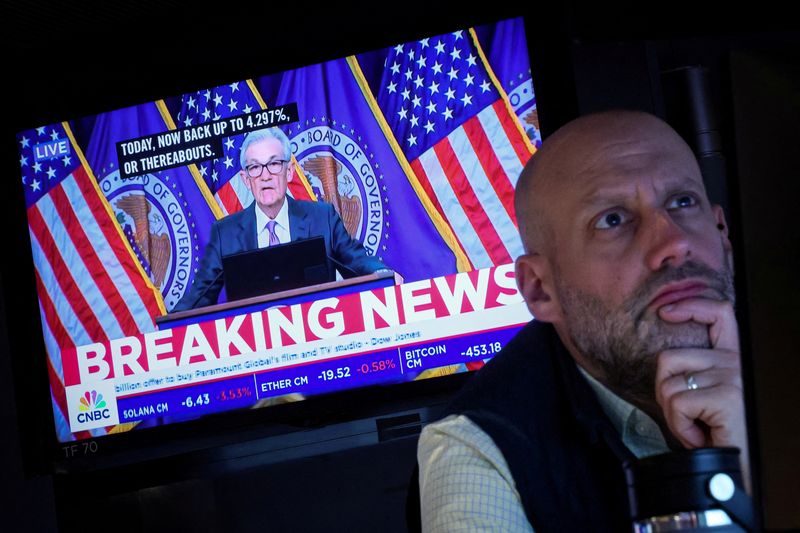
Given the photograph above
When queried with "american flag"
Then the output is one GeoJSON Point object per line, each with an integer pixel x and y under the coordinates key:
{"type": "Point", "coordinates": [464, 143]}
{"type": "Point", "coordinates": [73, 233]}
{"type": "Point", "coordinates": [506, 48]}
{"type": "Point", "coordinates": [221, 176]}
{"type": "Point", "coordinates": [156, 209]}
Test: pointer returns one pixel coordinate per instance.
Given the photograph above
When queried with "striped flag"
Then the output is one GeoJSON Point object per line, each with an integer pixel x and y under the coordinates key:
{"type": "Point", "coordinates": [507, 51]}
{"type": "Point", "coordinates": [73, 232]}
{"type": "Point", "coordinates": [166, 215]}
{"type": "Point", "coordinates": [454, 124]}
{"type": "Point", "coordinates": [222, 175]}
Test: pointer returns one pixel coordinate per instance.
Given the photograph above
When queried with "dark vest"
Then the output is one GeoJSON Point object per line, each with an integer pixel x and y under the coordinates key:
{"type": "Point", "coordinates": [564, 454]}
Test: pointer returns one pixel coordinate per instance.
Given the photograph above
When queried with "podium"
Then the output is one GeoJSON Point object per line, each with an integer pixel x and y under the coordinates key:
{"type": "Point", "coordinates": [377, 280]}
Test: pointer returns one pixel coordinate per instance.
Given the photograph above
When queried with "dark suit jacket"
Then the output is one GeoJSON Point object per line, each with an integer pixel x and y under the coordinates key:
{"type": "Point", "coordinates": [237, 233]}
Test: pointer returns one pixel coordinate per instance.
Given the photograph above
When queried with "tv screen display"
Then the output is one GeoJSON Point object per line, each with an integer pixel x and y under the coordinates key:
{"type": "Point", "coordinates": [416, 148]}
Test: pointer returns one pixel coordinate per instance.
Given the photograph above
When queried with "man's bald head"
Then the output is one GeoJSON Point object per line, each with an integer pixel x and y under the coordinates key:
{"type": "Point", "coordinates": [567, 154]}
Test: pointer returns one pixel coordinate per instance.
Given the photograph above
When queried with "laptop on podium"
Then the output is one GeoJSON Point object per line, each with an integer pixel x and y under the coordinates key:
{"type": "Point", "coordinates": [276, 268]}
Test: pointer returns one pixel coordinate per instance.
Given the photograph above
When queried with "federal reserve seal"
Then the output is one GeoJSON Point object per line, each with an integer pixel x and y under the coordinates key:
{"type": "Point", "coordinates": [342, 171]}
{"type": "Point", "coordinates": [157, 223]}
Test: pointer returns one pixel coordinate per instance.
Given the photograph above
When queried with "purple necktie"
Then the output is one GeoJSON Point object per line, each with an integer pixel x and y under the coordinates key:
{"type": "Point", "coordinates": [273, 238]}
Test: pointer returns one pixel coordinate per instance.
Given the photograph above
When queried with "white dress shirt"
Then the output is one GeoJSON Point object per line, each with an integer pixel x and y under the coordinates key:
{"type": "Point", "coordinates": [281, 228]}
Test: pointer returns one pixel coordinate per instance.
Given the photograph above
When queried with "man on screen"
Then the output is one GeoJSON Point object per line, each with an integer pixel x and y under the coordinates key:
{"type": "Point", "coordinates": [635, 350]}
{"type": "Point", "coordinates": [272, 218]}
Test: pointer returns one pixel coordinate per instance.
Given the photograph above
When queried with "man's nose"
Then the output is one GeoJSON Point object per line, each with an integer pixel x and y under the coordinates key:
{"type": "Point", "coordinates": [668, 242]}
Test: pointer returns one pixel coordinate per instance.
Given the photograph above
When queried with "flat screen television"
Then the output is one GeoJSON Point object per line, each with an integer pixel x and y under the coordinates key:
{"type": "Point", "coordinates": [417, 146]}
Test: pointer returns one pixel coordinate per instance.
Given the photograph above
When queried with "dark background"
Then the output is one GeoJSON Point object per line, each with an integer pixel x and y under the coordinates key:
{"type": "Point", "coordinates": [67, 60]}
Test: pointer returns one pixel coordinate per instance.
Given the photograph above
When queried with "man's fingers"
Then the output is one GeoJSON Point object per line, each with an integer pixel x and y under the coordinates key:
{"type": "Point", "coordinates": [675, 384]}
{"type": "Point", "coordinates": [682, 361]}
{"type": "Point", "coordinates": [719, 408]}
{"type": "Point", "coordinates": [717, 314]}
{"type": "Point", "coordinates": [687, 431]}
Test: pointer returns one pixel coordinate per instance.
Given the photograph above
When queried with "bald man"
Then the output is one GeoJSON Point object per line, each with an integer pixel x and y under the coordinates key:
{"type": "Point", "coordinates": [634, 349]}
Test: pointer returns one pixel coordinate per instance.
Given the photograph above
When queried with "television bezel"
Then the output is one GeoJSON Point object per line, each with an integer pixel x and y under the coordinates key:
{"type": "Point", "coordinates": [42, 453]}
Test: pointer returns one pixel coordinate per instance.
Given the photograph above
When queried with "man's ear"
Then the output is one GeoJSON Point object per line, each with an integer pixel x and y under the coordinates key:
{"type": "Point", "coordinates": [722, 226]}
{"type": "Point", "coordinates": [534, 280]}
{"type": "Point", "coordinates": [246, 180]}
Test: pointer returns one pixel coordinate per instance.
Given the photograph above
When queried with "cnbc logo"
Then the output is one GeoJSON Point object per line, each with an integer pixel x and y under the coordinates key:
{"type": "Point", "coordinates": [92, 408]}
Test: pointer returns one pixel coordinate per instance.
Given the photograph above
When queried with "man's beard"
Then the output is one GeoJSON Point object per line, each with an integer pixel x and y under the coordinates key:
{"type": "Point", "coordinates": [625, 342]}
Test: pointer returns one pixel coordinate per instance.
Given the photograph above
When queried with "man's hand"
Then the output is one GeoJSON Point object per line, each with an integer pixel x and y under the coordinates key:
{"type": "Point", "coordinates": [712, 414]}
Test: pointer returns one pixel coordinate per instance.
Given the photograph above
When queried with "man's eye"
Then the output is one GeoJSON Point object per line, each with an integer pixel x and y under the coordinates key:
{"type": "Point", "coordinates": [610, 220]}
{"type": "Point", "coordinates": [682, 201]}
